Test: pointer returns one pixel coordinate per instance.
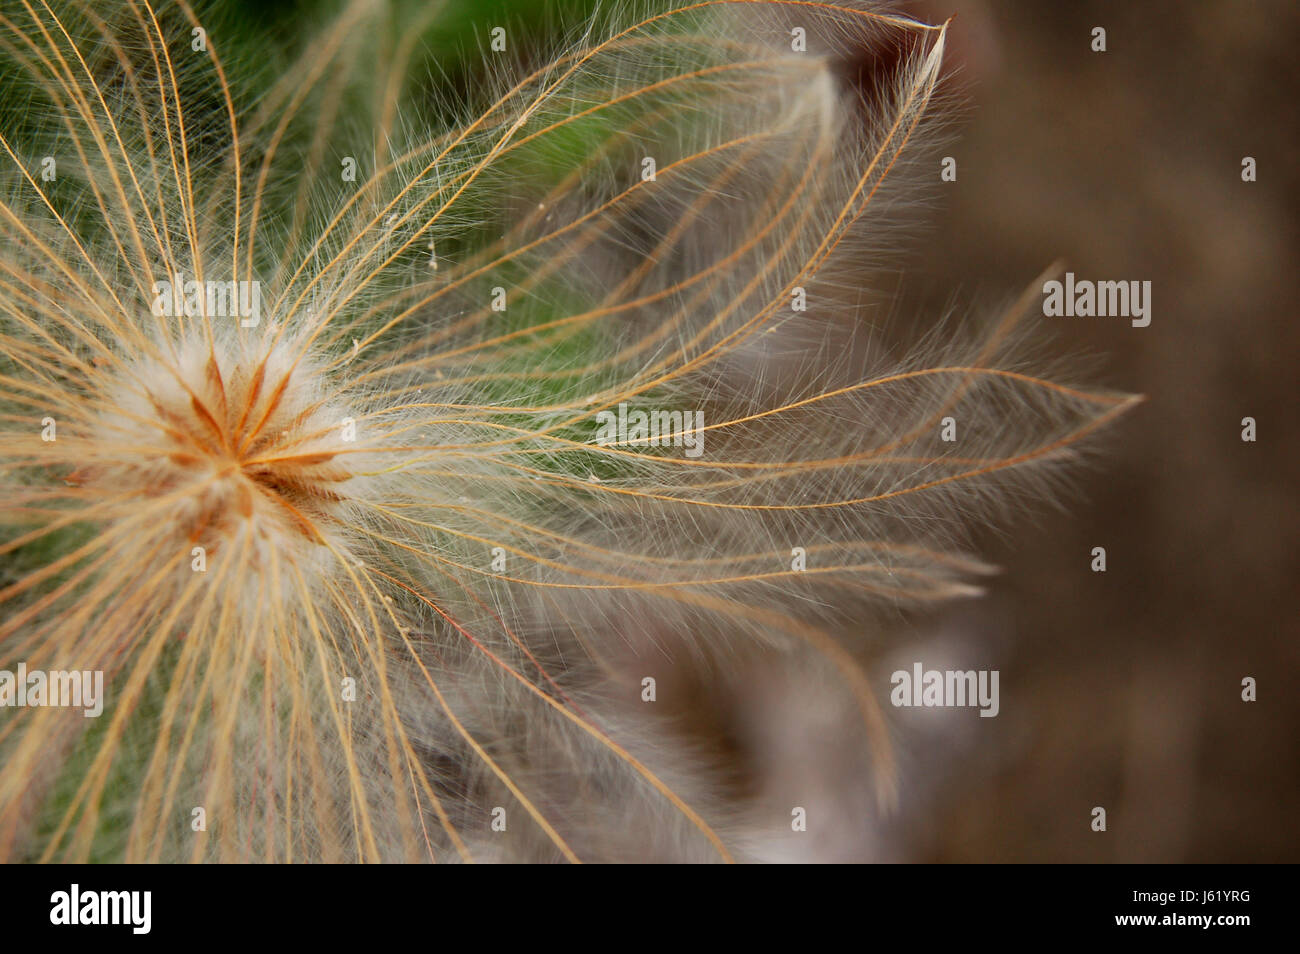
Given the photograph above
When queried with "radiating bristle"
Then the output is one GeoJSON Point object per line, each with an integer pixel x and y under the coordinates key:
{"type": "Point", "coordinates": [348, 440]}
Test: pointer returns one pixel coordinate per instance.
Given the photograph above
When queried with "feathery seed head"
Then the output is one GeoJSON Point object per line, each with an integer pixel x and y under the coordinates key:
{"type": "Point", "coordinates": [546, 389]}
{"type": "Point", "coordinates": [236, 443]}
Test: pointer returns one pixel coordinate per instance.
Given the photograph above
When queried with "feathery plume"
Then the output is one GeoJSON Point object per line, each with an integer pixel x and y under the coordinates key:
{"type": "Point", "coordinates": [349, 436]}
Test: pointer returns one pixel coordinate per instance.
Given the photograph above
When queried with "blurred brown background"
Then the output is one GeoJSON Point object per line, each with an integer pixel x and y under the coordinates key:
{"type": "Point", "coordinates": [1123, 689]}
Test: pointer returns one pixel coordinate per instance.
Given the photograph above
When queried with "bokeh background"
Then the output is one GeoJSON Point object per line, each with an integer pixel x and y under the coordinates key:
{"type": "Point", "coordinates": [1121, 689]}
{"type": "Point", "coordinates": [1124, 688]}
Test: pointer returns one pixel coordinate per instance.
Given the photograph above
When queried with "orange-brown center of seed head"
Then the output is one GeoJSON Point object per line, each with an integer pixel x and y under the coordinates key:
{"type": "Point", "coordinates": [229, 448]}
